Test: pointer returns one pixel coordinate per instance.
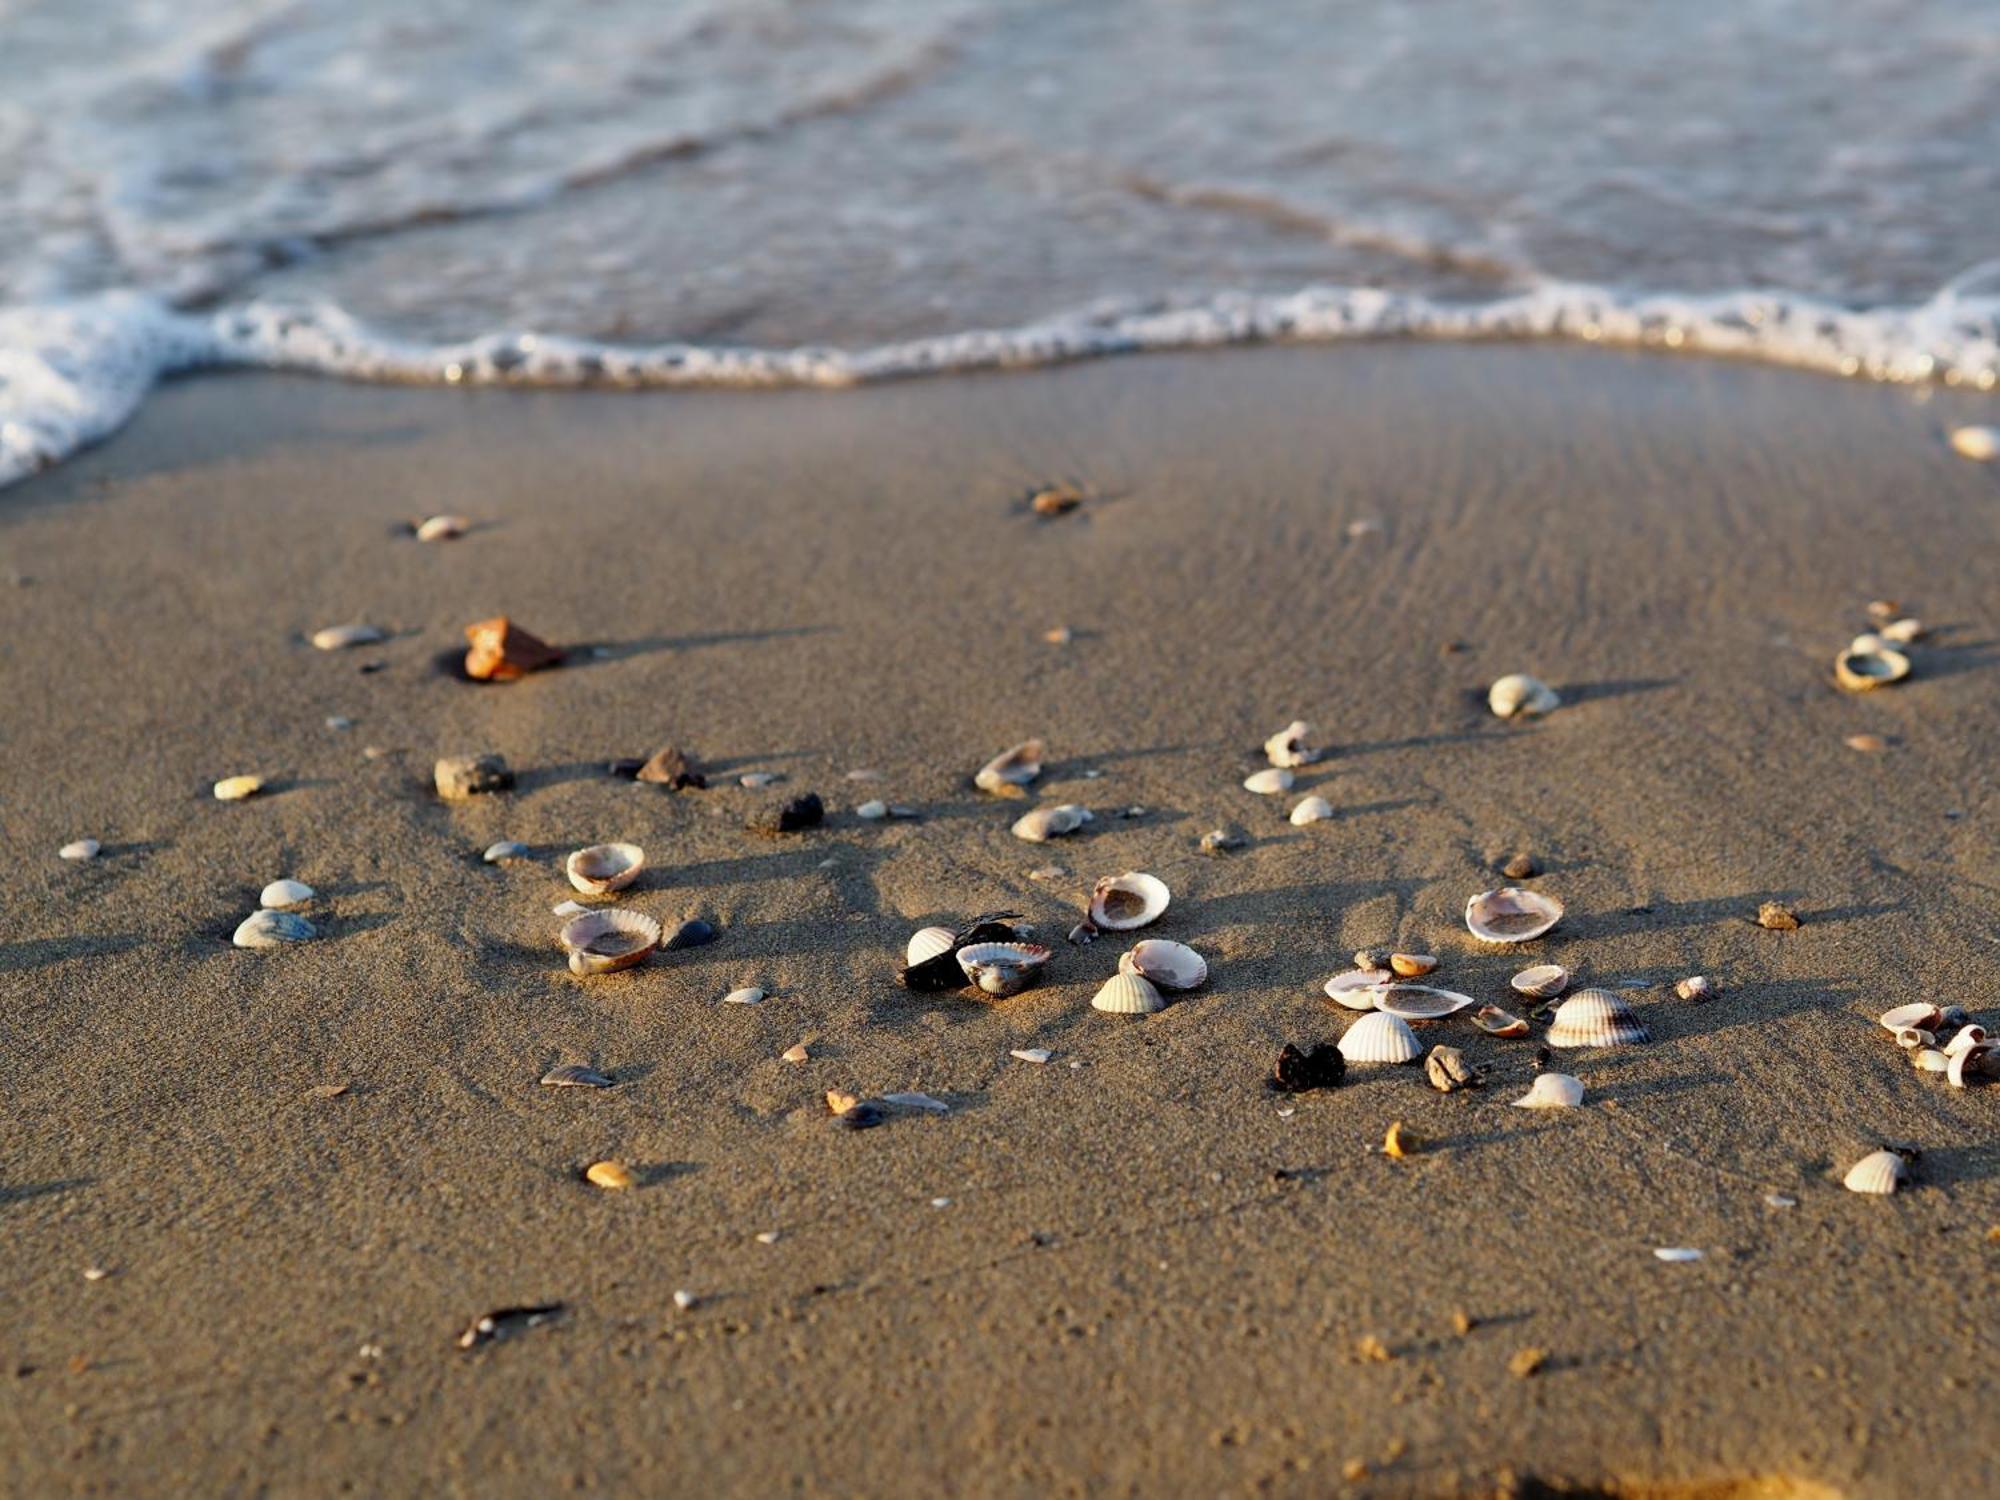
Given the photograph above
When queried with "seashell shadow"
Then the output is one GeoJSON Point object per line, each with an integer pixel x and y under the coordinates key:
{"type": "Point", "coordinates": [42, 953]}
{"type": "Point", "coordinates": [21, 1192]}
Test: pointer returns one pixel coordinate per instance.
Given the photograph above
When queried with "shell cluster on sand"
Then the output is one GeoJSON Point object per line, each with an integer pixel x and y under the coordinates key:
{"type": "Point", "coordinates": [1944, 1039]}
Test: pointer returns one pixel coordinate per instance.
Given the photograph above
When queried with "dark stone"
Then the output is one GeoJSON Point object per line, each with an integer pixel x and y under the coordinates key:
{"type": "Point", "coordinates": [1321, 1068]}
{"type": "Point", "coordinates": [691, 934]}
{"type": "Point", "coordinates": [789, 816]}
{"type": "Point", "coordinates": [861, 1117]}
{"type": "Point", "coordinates": [1521, 867]}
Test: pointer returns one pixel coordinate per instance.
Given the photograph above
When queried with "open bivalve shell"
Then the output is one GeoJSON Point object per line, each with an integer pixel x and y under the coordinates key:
{"type": "Point", "coordinates": [604, 868]}
{"type": "Point", "coordinates": [1357, 989]}
{"type": "Point", "coordinates": [1596, 1018]}
{"type": "Point", "coordinates": [1552, 1091]}
{"type": "Point", "coordinates": [1011, 769]}
{"type": "Point", "coordinates": [1128, 995]}
{"type": "Point", "coordinates": [1494, 1021]}
{"type": "Point", "coordinates": [1919, 1015]}
{"type": "Point", "coordinates": [940, 971]}
{"type": "Point", "coordinates": [1168, 965]}
{"type": "Point", "coordinates": [1511, 915]}
{"type": "Point", "coordinates": [927, 942]}
{"type": "Point", "coordinates": [600, 942]}
{"type": "Point", "coordinates": [1379, 1037]}
{"type": "Point", "coordinates": [272, 929]}
{"type": "Point", "coordinates": [1518, 695]}
{"type": "Point", "coordinates": [1880, 1172]}
{"type": "Point", "coordinates": [1003, 968]}
{"type": "Point", "coordinates": [1542, 982]}
{"type": "Point", "coordinates": [1419, 1002]}
{"type": "Point", "coordinates": [1041, 824]}
{"type": "Point", "coordinates": [1869, 662]}
{"type": "Point", "coordinates": [1119, 903]}
{"type": "Point", "coordinates": [1288, 748]}
{"type": "Point", "coordinates": [1969, 1063]}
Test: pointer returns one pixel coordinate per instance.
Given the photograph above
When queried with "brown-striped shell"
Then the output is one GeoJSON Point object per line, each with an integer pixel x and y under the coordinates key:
{"type": "Point", "coordinates": [1596, 1018]}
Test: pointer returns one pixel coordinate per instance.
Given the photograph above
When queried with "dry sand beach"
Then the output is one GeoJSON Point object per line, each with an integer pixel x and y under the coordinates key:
{"type": "Point", "coordinates": [1130, 1270]}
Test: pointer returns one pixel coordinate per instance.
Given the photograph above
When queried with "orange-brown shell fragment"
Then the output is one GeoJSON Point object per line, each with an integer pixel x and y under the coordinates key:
{"type": "Point", "coordinates": [502, 651]}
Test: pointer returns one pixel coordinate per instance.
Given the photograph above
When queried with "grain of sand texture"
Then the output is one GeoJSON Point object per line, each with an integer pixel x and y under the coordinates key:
{"type": "Point", "coordinates": [1132, 1270]}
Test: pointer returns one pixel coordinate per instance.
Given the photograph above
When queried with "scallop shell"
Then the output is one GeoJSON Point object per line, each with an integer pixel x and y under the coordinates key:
{"type": "Point", "coordinates": [1980, 444]}
{"type": "Point", "coordinates": [1542, 982]}
{"type": "Point", "coordinates": [283, 893]}
{"type": "Point", "coordinates": [81, 849]}
{"type": "Point", "coordinates": [1413, 965]}
{"type": "Point", "coordinates": [600, 942]}
{"type": "Point", "coordinates": [1357, 988]}
{"type": "Point", "coordinates": [1039, 825]}
{"type": "Point", "coordinates": [1120, 903]}
{"type": "Point", "coordinates": [1595, 1018]}
{"type": "Point", "coordinates": [272, 929]}
{"type": "Point", "coordinates": [1379, 1037]}
{"type": "Point", "coordinates": [1511, 915]}
{"type": "Point", "coordinates": [1552, 1091]}
{"type": "Point", "coordinates": [1169, 965]}
{"type": "Point", "coordinates": [1015, 767]}
{"type": "Point", "coordinates": [604, 868]}
{"type": "Point", "coordinates": [1869, 663]}
{"type": "Point", "coordinates": [1879, 1172]}
{"type": "Point", "coordinates": [1519, 695]}
{"type": "Point", "coordinates": [1311, 810]}
{"type": "Point", "coordinates": [1924, 1017]}
{"type": "Point", "coordinates": [1003, 968]}
{"type": "Point", "coordinates": [1288, 746]}
{"type": "Point", "coordinates": [236, 788]}
{"type": "Point", "coordinates": [1269, 782]}
{"type": "Point", "coordinates": [1494, 1021]}
{"type": "Point", "coordinates": [1420, 1002]}
{"type": "Point", "coordinates": [339, 637]}
{"type": "Point", "coordinates": [927, 943]}
{"type": "Point", "coordinates": [1128, 995]}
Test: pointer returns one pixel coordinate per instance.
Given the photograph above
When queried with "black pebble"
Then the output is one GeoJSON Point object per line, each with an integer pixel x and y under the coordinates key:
{"type": "Point", "coordinates": [1321, 1068]}
{"type": "Point", "coordinates": [860, 1117]}
{"type": "Point", "coordinates": [790, 816]}
{"type": "Point", "coordinates": [692, 934]}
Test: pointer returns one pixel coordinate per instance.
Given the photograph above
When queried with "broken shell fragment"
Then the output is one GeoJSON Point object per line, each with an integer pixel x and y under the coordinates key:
{"type": "Point", "coordinates": [1420, 1002]}
{"type": "Point", "coordinates": [1031, 1054]}
{"type": "Point", "coordinates": [1879, 1172]}
{"type": "Point", "coordinates": [1930, 1060]}
{"type": "Point", "coordinates": [1412, 965]}
{"type": "Point", "coordinates": [927, 942]}
{"type": "Point", "coordinates": [1128, 995]}
{"type": "Point", "coordinates": [1519, 695]}
{"type": "Point", "coordinates": [602, 942]}
{"type": "Point", "coordinates": [1775, 916]}
{"type": "Point", "coordinates": [1870, 662]}
{"type": "Point", "coordinates": [1494, 1021]}
{"type": "Point", "coordinates": [1269, 782]}
{"type": "Point", "coordinates": [1401, 1141]}
{"type": "Point", "coordinates": [796, 1053]}
{"type": "Point", "coordinates": [1003, 968]}
{"type": "Point", "coordinates": [576, 1076]}
{"type": "Point", "coordinates": [604, 868]}
{"type": "Point", "coordinates": [1039, 825]}
{"type": "Point", "coordinates": [500, 651]}
{"type": "Point", "coordinates": [1910, 1038]}
{"type": "Point", "coordinates": [442, 528]}
{"type": "Point", "coordinates": [1904, 631]}
{"type": "Point", "coordinates": [339, 637]}
{"type": "Point", "coordinates": [1697, 987]}
{"type": "Point", "coordinates": [1596, 1018]}
{"type": "Point", "coordinates": [506, 849]}
{"type": "Point", "coordinates": [610, 1175]}
{"type": "Point", "coordinates": [1448, 1071]}
{"type": "Point", "coordinates": [80, 850]}
{"type": "Point", "coordinates": [672, 768]}
{"type": "Point", "coordinates": [1169, 965]}
{"type": "Point", "coordinates": [1119, 903]}
{"type": "Point", "coordinates": [1013, 768]}
{"type": "Point", "coordinates": [1552, 1091]}
{"type": "Point", "coordinates": [1311, 810]}
{"type": "Point", "coordinates": [1979, 1061]}
{"type": "Point", "coordinates": [1918, 1014]}
{"type": "Point", "coordinates": [1542, 982]}
{"type": "Point", "coordinates": [282, 893]}
{"type": "Point", "coordinates": [1966, 1036]}
{"type": "Point", "coordinates": [1288, 746]}
{"type": "Point", "coordinates": [272, 929]}
{"type": "Point", "coordinates": [1357, 989]}
{"type": "Point", "coordinates": [236, 788]}
{"type": "Point", "coordinates": [1980, 444]}
{"type": "Point", "coordinates": [458, 777]}
{"type": "Point", "coordinates": [1511, 915]}
{"type": "Point", "coordinates": [1320, 1067]}
{"type": "Point", "coordinates": [1379, 1037]}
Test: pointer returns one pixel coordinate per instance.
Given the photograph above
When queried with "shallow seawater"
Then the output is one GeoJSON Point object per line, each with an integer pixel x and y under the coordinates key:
{"type": "Point", "coordinates": [402, 188]}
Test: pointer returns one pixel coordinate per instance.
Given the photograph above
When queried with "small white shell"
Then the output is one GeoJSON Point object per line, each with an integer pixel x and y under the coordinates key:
{"type": "Point", "coordinates": [1918, 1014]}
{"type": "Point", "coordinates": [1039, 825]}
{"type": "Point", "coordinates": [1313, 809]}
{"type": "Point", "coordinates": [272, 929]}
{"type": "Point", "coordinates": [1878, 1172]}
{"type": "Point", "coordinates": [1552, 1091]}
{"type": "Point", "coordinates": [1032, 1054]}
{"type": "Point", "coordinates": [749, 995]}
{"type": "Point", "coordinates": [81, 849]}
{"type": "Point", "coordinates": [505, 850]}
{"type": "Point", "coordinates": [600, 942]}
{"type": "Point", "coordinates": [1980, 444]}
{"type": "Point", "coordinates": [1902, 632]}
{"type": "Point", "coordinates": [1519, 695]}
{"type": "Point", "coordinates": [1511, 915]}
{"type": "Point", "coordinates": [1357, 989]}
{"type": "Point", "coordinates": [1269, 782]}
{"type": "Point", "coordinates": [1003, 968]}
{"type": "Point", "coordinates": [1870, 662]}
{"type": "Point", "coordinates": [1288, 746]}
{"type": "Point", "coordinates": [282, 893]}
{"type": "Point", "coordinates": [1696, 987]}
{"type": "Point", "coordinates": [236, 788]}
{"type": "Point", "coordinates": [339, 637]}
{"type": "Point", "coordinates": [1120, 903]}
{"type": "Point", "coordinates": [1595, 1018]}
{"type": "Point", "coordinates": [1015, 767]}
{"type": "Point", "coordinates": [1542, 982]}
{"type": "Point", "coordinates": [443, 528]}
{"type": "Point", "coordinates": [1169, 965]}
{"type": "Point", "coordinates": [1930, 1060]}
{"type": "Point", "coordinates": [604, 868]}
{"type": "Point", "coordinates": [1128, 995]}
{"type": "Point", "coordinates": [1420, 1002]}
{"type": "Point", "coordinates": [1379, 1037]}
{"type": "Point", "coordinates": [874, 810]}
{"type": "Point", "coordinates": [1970, 1035]}
{"type": "Point", "coordinates": [927, 943]}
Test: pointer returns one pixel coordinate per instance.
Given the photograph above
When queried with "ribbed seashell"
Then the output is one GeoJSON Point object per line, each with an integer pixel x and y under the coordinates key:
{"type": "Point", "coordinates": [1918, 1014]}
{"type": "Point", "coordinates": [576, 1076]}
{"type": "Point", "coordinates": [1879, 1172]}
{"type": "Point", "coordinates": [1015, 767]}
{"type": "Point", "coordinates": [1595, 1018]}
{"type": "Point", "coordinates": [1379, 1037]}
{"type": "Point", "coordinates": [1980, 444]}
{"type": "Point", "coordinates": [236, 788]}
{"type": "Point", "coordinates": [1314, 809]}
{"type": "Point", "coordinates": [1552, 1091]}
{"type": "Point", "coordinates": [442, 528]}
{"type": "Point", "coordinates": [339, 637]}
{"type": "Point", "coordinates": [1902, 632]}
{"type": "Point", "coordinates": [1420, 1002]}
{"type": "Point", "coordinates": [1448, 1071]}
{"type": "Point", "coordinates": [1965, 1036]}
{"type": "Point", "coordinates": [1494, 1021]}
{"type": "Point", "coordinates": [604, 868]}
{"type": "Point", "coordinates": [1911, 1037]}
{"type": "Point", "coordinates": [1696, 987]}
{"type": "Point", "coordinates": [1930, 1060]}
{"type": "Point", "coordinates": [282, 893]}
{"type": "Point", "coordinates": [1269, 782]}
{"type": "Point", "coordinates": [1128, 995]}
{"type": "Point", "coordinates": [1542, 982]}
{"type": "Point", "coordinates": [600, 942]}
{"type": "Point", "coordinates": [927, 943]}
{"type": "Point", "coordinates": [1288, 746]}
{"type": "Point", "coordinates": [1169, 965]}
{"type": "Point", "coordinates": [1518, 695]}
{"type": "Point", "coordinates": [1003, 968]}
{"type": "Point", "coordinates": [503, 851]}
{"type": "Point", "coordinates": [1870, 662]}
{"type": "Point", "coordinates": [80, 850]}
{"type": "Point", "coordinates": [1119, 903]}
{"type": "Point", "coordinates": [1511, 915]}
{"type": "Point", "coordinates": [1981, 1061]}
{"type": "Point", "coordinates": [1039, 825]}
{"type": "Point", "coordinates": [272, 929]}
{"type": "Point", "coordinates": [1412, 965]}
{"type": "Point", "coordinates": [1357, 988]}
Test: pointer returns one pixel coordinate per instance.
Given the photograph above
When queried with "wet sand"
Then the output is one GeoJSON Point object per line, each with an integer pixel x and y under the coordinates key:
{"type": "Point", "coordinates": [1148, 1279]}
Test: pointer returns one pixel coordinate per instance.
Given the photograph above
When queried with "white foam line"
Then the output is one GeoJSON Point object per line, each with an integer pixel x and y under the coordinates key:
{"type": "Point", "coordinates": [72, 373]}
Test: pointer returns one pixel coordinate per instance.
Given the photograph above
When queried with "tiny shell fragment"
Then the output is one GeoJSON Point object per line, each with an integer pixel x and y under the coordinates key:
{"type": "Point", "coordinates": [1032, 1054]}
{"type": "Point", "coordinates": [1401, 1141]}
{"type": "Point", "coordinates": [611, 1175]}
{"type": "Point", "coordinates": [80, 850]}
{"type": "Point", "coordinates": [1775, 916]}
{"type": "Point", "coordinates": [749, 995]}
{"type": "Point", "coordinates": [339, 637]}
{"type": "Point", "coordinates": [236, 788]}
{"type": "Point", "coordinates": [442, 528]}
{"type": "Point", "coordinates": [795, 1054]}
{"type": "Point", "coordinates": [576, 1076]}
